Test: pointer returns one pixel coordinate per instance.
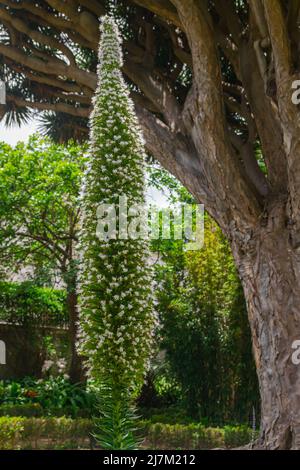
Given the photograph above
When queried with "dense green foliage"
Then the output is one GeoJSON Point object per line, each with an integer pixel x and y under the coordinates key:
{"type": "Point", "coordinates": [27, 304]}
{"type": "Point", "coordinates": [116, 426]}
{"type": "Point", "coordinates": [39, 219]}
{"type": "Point", "coordinates": [39, 187]}
{"type": "Point", "coordinates": [28, 410]}
{"type": "Point", "coordinates": [208, 368]}
{"type": "Point", "coordinates": [54, 396]}
{"type": "Point", "coordinates": [205, 331]}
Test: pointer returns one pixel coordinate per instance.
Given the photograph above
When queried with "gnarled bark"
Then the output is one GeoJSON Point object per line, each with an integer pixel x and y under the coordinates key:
{"type": "Point", "coordinates": [270, 271]}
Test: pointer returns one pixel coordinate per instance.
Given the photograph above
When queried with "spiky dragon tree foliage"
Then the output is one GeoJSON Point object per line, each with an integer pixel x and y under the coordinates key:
{"type": "Point", "coordinates": [116, 314]}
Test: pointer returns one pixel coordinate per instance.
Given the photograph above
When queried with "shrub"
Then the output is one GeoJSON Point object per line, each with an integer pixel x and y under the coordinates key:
{"type": "Point", "coordinates": [235, 436]}
{"type": "Point", "coordinates": [24, 303]}
{"type": "Point", "coordinates": [205, 332]}
{"type": "Point", "coordinates": [10, 432]}
{"type": "Point", "coordinates": [28, 410]}
{"type": "Point", "coordinates": [195, 436]}
{"type": "Point", "coordinates": [173, 414]}
{"type": "Point", "coordinates": [55, 396]}
{"type": "Point", "coordinates": [178, 436]}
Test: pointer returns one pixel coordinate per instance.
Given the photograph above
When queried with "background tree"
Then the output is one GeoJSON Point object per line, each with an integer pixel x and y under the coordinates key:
{"type": "Point", "coordinates": [210, 80]}
{"type": "Point", "coordinates": [39, 214]}
{"type": "Point", "coordinates": [204, 332]}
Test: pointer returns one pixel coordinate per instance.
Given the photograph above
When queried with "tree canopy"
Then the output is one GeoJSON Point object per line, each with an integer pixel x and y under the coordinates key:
{"type": "Point", "coordinates": [39, 209]}
{"type": "Point", "coordinates": [39, 217]}
{"type": "Point", "coordinates": [182, 61]}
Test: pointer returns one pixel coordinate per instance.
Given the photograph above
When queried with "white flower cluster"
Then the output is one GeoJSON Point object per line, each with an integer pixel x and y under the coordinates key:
{"type": "Point", "coordinates": [115, 282]}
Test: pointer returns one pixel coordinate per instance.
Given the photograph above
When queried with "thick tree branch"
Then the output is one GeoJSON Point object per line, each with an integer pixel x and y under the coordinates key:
{"type": "Point", "coordinates": [204, 115]}
{"type": "Point", "coordinates": [258, 13]}
{"type": "Point", "coordinates": [94, 6]}
{"type": "Point", "coordinates": [57, 107]}
{"type": "Point", "coordinates": [158, 92]}
{"type": "Point", "coordinates": [175, 153]}
{"type": "Point", "coordinates": [21, 26]}
{"type": "Point", "coordinates": [279, 39]}
{"type": "Point", "coordinates": [253, 171]}
{"type": "Point", "coordinates": [289, 114]}
{"type": "Point", "coordinates": [283, 66]}
{"type": "Point", "coordinates": [50, 66]}
{"type": "Point", "coordinates": [84, 22]}
{"type": "Point", "coordinates": [264, 110]}
{"type": "Point", "coordinates": [163, 8]}
{"type": "Point", "coordinates": [63, 85]}
{"type": "Point", "coordinates": [227, 14]}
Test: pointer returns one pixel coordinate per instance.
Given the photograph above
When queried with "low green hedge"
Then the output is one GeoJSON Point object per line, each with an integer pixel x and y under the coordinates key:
{"type": "Point", "coordinates": [59, 433]}
{"type": "Point", "coordinates": [11, 430]}
{"type": "Point", "coordinates": [35, 410]}
{"type": "Point", "coordinates": [24, 303]}
{"type": "Point", "coordinates": [179, 436]}
{"type": "Point", "coordinates": [236, 436]}
{"type": "Point", "coordinates": [44, 433]}
{"type": "Point", "coordinates": [28, 410]}
{"type": "Point", "coordinates": [196, 436]}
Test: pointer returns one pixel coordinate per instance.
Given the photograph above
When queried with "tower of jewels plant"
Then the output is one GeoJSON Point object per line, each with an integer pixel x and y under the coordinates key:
{"type": "Point", "coordinates": [115, 286]}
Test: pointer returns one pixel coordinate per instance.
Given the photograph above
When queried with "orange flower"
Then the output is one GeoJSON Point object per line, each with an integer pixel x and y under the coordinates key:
{"type": "Point", "coordinates": [30, 393]}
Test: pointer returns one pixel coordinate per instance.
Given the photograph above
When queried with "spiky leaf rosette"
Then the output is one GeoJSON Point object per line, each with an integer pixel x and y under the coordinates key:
{"type": "Point", "coordinates": [116, 318]}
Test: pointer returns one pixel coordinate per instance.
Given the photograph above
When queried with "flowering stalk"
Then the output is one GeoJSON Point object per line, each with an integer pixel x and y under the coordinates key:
{"type": "Point", "coordinates": [116, 312]}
